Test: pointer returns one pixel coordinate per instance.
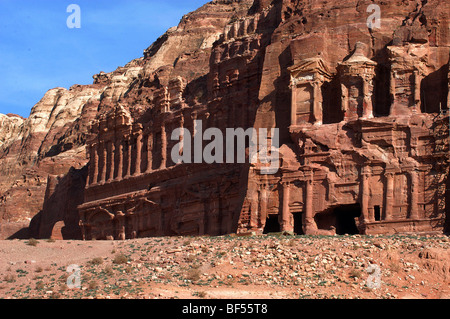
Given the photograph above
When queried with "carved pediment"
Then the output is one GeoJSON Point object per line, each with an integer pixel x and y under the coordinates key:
{"type": "Point", "coordinates": [357, 63]}
{"type": "Point", "coordinates": [311, 69]}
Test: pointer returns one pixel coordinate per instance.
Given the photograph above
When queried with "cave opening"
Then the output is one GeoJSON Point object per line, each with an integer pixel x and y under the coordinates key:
{"type": "Point", "coordinates": [345, 219]}
{"type": "Point", "coordinates": [272, 225]}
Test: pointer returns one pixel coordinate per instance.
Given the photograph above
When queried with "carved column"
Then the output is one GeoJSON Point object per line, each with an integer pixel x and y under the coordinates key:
{"type": "Point", "coordinates": [104, 162]}
{"type": "Point", "coordinates": [120, 226]}
{"type": "Point", "coordinates": [181, 135]}
{"type": "Point", "coordinates": [286, 224]}
{"type": "Point", "coordinates": [129, 158]}
{"type": "Point", "coordinates": [317, 104]}
{"type": "Point", "coordinates": [365, 195]}
{"type": "Point", "coordinates": [368, 105]}
{"type": "Point", "coordinates": [163, 147]}
{"type": "Point", "coordinates": [149, 153]}
{"type": "Point", "coordinates": [293, 88]}
{"type": "Point", "coordinates": [414, 195]}
{"type": "Point", "coordinates": [244, 27]}
{"type": "Point", "coordinates": [263, 199]}
{"type": "Point", "coordinates": [226, 33]}
{"type": "Point", "coordinates": [111, 147]}
{"type": "Point", "coordinates": [392, 89]}
{"type": "Point", "coordinates": [344, 98]}
{"type": "Point", "coordinates": [138, 153]}
{"type": "Point", "coordinates": [310, 224]}
{"type": "Point", "coordinates": [254, 208]}
{"type": "Point", "coordinates": [119, 149]}
{"type": "Point", "coordinates": [94, 163]}
{"type": "Point", "coordinates": [389, 197]}
{"type": "Point", "coordinates": [417, 83]}
{"type": "Point", "coordinates": [235, 29]}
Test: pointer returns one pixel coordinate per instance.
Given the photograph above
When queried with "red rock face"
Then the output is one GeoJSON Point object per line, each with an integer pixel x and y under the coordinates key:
{"type": "Point", "coordinates": [361, 112]}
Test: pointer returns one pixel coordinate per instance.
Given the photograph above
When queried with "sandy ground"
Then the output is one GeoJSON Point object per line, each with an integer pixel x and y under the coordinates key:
{"type": "Point", "coordinates": [229, 267]}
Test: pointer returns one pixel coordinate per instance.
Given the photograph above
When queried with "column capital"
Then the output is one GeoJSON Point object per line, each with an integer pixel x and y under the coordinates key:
{"type": "Point", "coordinates": [366, 171]}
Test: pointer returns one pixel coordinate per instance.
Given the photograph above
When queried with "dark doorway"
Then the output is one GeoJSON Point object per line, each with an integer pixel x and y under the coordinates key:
{"type": "Point", "coordinates": [434, 91]}
{"type": "Point", "coordinates": [272, 225]}
{"type": "Point", "coordinates": [377, 213]}
{"type": "Point", "coordinates": [298, 223]}
{"type": "Point", "coordinates": [345, 219]}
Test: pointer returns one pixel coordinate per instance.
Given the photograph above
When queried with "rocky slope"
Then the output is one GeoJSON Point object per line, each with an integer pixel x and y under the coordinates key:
{"type": "Point", "coordinates": [52, 140]}
{"type": "Point", "coordinates": [263, 267]}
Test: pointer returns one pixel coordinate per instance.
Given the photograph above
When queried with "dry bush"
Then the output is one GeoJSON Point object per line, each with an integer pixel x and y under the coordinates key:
{"type": "Point", "coordinates": [109, 271]}
{"type": "Point", "coordinates": [355, 274]}
{"type": "Point", "coordinates": [120, 259]}
{"type": "Point", "coordinates": [40, 285]}
{"type": "Point", "coordinates": [9, 278]}
{"type": "Point", "coordinates": [96, 261]}
{"type": "Point", "coordinates": [32, 242]}
{"type": "Point", "coordinates": [93, 285]}
{"type": "Point", "coordinates": [202, 294]}
{"type": "Point", "coordinates": [193, 274]}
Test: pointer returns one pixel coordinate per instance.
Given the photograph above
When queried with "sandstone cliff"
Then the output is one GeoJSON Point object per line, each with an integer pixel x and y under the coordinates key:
{"type": "Point", "coordinates": [52, 139]}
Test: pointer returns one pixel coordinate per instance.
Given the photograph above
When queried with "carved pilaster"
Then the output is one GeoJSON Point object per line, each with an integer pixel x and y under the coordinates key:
{"type": "Point", "coordinates": [111, 153]}
{"type": "Point", "coordinates": [149, 153]}
{"type": "Point", "coordinates": [104, 152]}
{"type": "Point", "coordinates": [368, 102]}
{"type": "Point", "coordinates": [129, 157]}
{"type": "Point", "coordinates": [317, 104]}
{"type": "Point", "coordinates": [414, 195]}
{"type": "Point", "coordinates": [310, 224]}
{"type": "Point", "coordinates": [417, 84]}
{"type": "Point", "coordinates": [120, 226]}
{"type": "Point", "coordinates": [138, 153]}
{"type": "Point", "coordinates": [286, 224]}
{"type": "Point", "coordinates": [263, 199]}
{"type": "Point", "coordinates": [94, 163]}
{"type": "Point", "coordinates": [163, 147]}
{"type": "Point", "coordinates": [365, 195]}
{"type": "Point", "coordinates": [389, 196]}
{"type": "Point", "coordinates": [392, 89]}
{"type": "Point", "coordinates": [119, 149]}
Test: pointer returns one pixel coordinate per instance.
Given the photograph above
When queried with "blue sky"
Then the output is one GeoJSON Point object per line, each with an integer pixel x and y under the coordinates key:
{"type": "Point", "coordinates": [39, 52]}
